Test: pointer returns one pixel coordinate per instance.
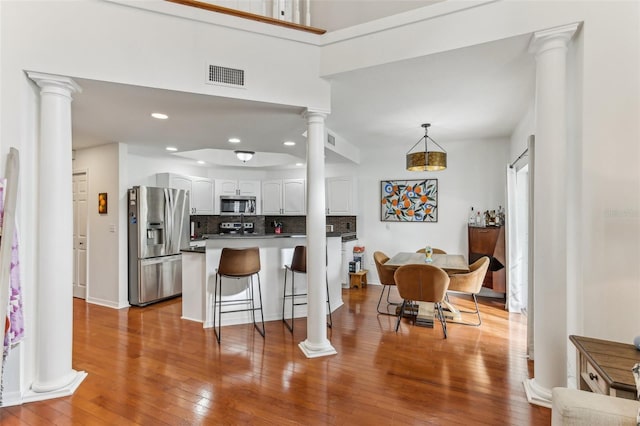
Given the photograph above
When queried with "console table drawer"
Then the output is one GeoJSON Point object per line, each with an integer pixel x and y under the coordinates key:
{"type": "Point", "coordinates": [593, 379]}
{"type": "Point", "coordinates": [605, 367]}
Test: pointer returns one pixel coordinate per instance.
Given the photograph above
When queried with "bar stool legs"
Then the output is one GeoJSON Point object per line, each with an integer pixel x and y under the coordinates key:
{"type": "Point", "coordinates": [238, 264]}
{"type": "Point", "coordinates": [218, 303]}
{"type": "Point", "coordinates": [299, 265]}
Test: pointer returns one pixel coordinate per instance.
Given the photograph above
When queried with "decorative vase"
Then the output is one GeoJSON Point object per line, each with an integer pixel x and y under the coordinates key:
{"type": "Point", "coordinates": [427, 253]}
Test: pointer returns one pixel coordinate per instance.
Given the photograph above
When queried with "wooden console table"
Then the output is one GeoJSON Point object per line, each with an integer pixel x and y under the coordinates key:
{"type": "Point", "coordinates": [605, 367]}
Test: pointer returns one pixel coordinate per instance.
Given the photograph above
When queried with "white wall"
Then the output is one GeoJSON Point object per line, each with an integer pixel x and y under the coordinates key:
{"type": "Point", "coordinates": [520, 136]}
{"type": "Point", "coordinates": [610, 154]}
{"type": "Point", "coordinates": [104, 279]}
{"type": "Point", "coordinates": [475, 176]}
{"type": "Point", "coordinates": [77, 39]}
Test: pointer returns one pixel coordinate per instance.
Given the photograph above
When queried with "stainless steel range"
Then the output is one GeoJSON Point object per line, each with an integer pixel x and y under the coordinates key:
{"type": "Point", "coordinates": [236, 228]}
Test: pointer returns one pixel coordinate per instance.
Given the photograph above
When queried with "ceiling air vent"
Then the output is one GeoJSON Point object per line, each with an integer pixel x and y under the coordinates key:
{"type": "Point", "coordinates": [331, 140]}
{"type": "Point", "coordinates": [226, 76]}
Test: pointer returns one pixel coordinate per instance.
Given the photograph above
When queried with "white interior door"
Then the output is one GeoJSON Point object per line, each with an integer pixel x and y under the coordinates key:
{"type": "Point", "coordinates": [80, 235]}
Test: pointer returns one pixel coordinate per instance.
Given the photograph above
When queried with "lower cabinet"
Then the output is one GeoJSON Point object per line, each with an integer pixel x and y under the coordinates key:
{"type": "Point", "coordinates": [489, 241]}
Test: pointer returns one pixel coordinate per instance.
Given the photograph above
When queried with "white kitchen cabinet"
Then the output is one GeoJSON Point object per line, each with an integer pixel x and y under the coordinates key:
{"type": "Point", "coordinates": [202, 200]}
{"type": "Point", "coordinates": [340, 196]}
{"type": "Point", "coordinates": [201, 190]}
{"type": "Point", "coordinates": [284, 197]}
{"type": "Point", "coordinates": [230, 187]}
{"type": "Point", "coordinates": [226, 187]}
{"type": "Point", "coordinates": [237, 187]}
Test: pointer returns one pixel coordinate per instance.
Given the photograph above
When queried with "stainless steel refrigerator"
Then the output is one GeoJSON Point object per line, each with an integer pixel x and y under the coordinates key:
{"type": "Point", "coordinates": [158, 230]}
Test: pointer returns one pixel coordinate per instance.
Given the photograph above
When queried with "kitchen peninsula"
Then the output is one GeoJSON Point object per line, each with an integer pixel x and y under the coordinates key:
{"type": "Point", "coordinates": [199, 266]}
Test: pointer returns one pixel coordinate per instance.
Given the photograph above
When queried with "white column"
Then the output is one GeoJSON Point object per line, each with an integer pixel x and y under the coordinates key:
{"type": "Point", "coordinates": [550, 218]}
{"type": "Point", "coordinates": [316, 344]}
{"type": "Point", "coordinates": [54, 376]}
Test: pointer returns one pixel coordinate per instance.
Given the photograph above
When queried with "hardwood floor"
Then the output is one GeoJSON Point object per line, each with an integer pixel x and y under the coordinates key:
{"type": "Point", "coordinates": [147, 366]}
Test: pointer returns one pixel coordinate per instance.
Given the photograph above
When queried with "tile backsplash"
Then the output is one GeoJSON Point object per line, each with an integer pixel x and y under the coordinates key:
{"type": "Point", "coordinates": [264, 224]}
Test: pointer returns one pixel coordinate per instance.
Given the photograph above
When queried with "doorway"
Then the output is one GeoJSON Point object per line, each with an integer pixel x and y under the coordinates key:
{"type": "Point", "coordinates": [80, 235]}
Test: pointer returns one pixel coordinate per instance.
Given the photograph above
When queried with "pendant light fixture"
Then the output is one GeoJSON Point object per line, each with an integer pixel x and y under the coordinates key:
{"type": "Point", "coordinates": [243, 155]}
{"type": "Point", "coordinates": [426, 160]}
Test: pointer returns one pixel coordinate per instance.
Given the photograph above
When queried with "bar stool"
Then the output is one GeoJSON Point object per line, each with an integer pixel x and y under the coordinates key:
{"type": "Point", "coordinates": [237, 263]}
{"type": "Point", "coordinates": [299, 265]}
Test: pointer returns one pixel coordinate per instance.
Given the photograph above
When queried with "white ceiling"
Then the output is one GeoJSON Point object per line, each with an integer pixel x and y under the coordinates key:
{"type": "Point", "coordinates": [334, 15]}
{"type": "Point", "coordinates": [473, 93]}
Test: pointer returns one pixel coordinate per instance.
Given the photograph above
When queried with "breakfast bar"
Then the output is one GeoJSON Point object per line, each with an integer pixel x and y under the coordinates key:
{"type": "Point", "coordinates": [199, 274]}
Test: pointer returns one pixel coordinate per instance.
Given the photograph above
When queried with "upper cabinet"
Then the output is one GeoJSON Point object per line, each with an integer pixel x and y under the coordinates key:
{"type": "Point", "coordinates": [340, 196]}
{"type": "Point", "coordinates": [284, 197]}
{"type": "Point", "coordinates": [201, 190]}
{"type": "Point", "coordinates": [237, 187]}
{"type": "Point", "coordinates": [229, 187]}
{"type": "Point", "coordinates": [202, 201]}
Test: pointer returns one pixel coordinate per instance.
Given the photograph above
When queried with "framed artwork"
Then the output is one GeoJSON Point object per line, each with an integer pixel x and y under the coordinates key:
{"type": "Point", "coordinates": [102, 203]}
{"type": "Point", "coordinates": [409, 200]}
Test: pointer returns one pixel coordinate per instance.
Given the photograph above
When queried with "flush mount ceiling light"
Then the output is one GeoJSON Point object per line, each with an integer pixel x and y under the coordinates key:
{"type": "Point", "coordinates": [159, 115]}
{"type": "Point", "coordinates": [426, 160]}
{"type": "Point", "coordinates": [244, 156]}
{"type": "Point", "coordinates": [234, 140]}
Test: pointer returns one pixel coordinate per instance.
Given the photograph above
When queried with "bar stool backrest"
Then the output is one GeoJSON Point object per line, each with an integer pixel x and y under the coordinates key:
{"type": "Point", "coordinates": [239, 262]}
{"type": "Point", "coordinates": [299, 260]}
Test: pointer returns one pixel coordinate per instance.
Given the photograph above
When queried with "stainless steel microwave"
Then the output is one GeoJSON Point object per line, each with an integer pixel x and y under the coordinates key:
{"type": "Point", "coordinates": [237, 204]}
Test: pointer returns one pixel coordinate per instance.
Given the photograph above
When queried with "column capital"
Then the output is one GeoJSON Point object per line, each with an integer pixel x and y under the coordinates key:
{"type": "Point", "coordinates": [51, 83]}
{"type": "Point", "coordinates": [552, 38]}
{"type": "Point", "coordinates": [311, 114]}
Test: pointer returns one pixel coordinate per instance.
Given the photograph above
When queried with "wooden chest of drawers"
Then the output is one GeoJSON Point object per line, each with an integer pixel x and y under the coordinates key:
{"type": "Point", "coordinates": [489, 241]}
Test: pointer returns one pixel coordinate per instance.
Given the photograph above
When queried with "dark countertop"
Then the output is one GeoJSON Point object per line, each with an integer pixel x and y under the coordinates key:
{"type": "Point", "coordinates": [195, 250]}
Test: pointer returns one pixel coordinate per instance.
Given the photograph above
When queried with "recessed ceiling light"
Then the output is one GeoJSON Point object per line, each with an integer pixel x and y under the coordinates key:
{"type": "Point", "coordinates": [234, 140]}
{"type": "Point", "coordinates": [201, 162]}
{"type": "Point", "coordinates": [289, 143]}
{"type": "Point", "coordinates": [299, 164]}
{"type": "Point", "coordinates": [159, 116]}
{"type": "Point", "coordinates": [171, 148]}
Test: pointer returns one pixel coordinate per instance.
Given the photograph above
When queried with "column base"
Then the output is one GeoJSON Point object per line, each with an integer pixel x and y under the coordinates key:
{"type": "Point", "coordinates": [537, 394]}
{"type": "Point", "coordinates": [311, 350]}
{"type": "Point", "coordinates": [32, 395]}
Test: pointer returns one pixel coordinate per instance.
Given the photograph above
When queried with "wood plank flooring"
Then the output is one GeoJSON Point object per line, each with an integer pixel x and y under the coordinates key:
{"type": "Point", "coordinates": [147, 366]}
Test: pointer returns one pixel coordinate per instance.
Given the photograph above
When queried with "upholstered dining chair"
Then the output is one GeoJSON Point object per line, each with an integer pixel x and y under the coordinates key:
{"type": "Point", "coordinates": [433, 250]}
{"type": "Point", "coordinates": [385, 274]}
{"type": "Point", "coordinates": [471, 283]}
{"type": "Point", "coordinates": [422, 283]}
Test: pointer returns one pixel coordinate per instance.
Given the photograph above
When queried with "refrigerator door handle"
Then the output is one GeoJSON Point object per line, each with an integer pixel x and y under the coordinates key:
{"type": "Point", "coordinates": [168, 213]}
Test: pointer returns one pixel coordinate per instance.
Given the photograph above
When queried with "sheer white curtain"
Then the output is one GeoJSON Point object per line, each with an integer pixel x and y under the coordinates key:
{"type": "Point", "coordinates": [519, 229]}
{"type": "Point", "coordinates": [515, 297]}
{"type": "Point", "coordinates": [530, 308]}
